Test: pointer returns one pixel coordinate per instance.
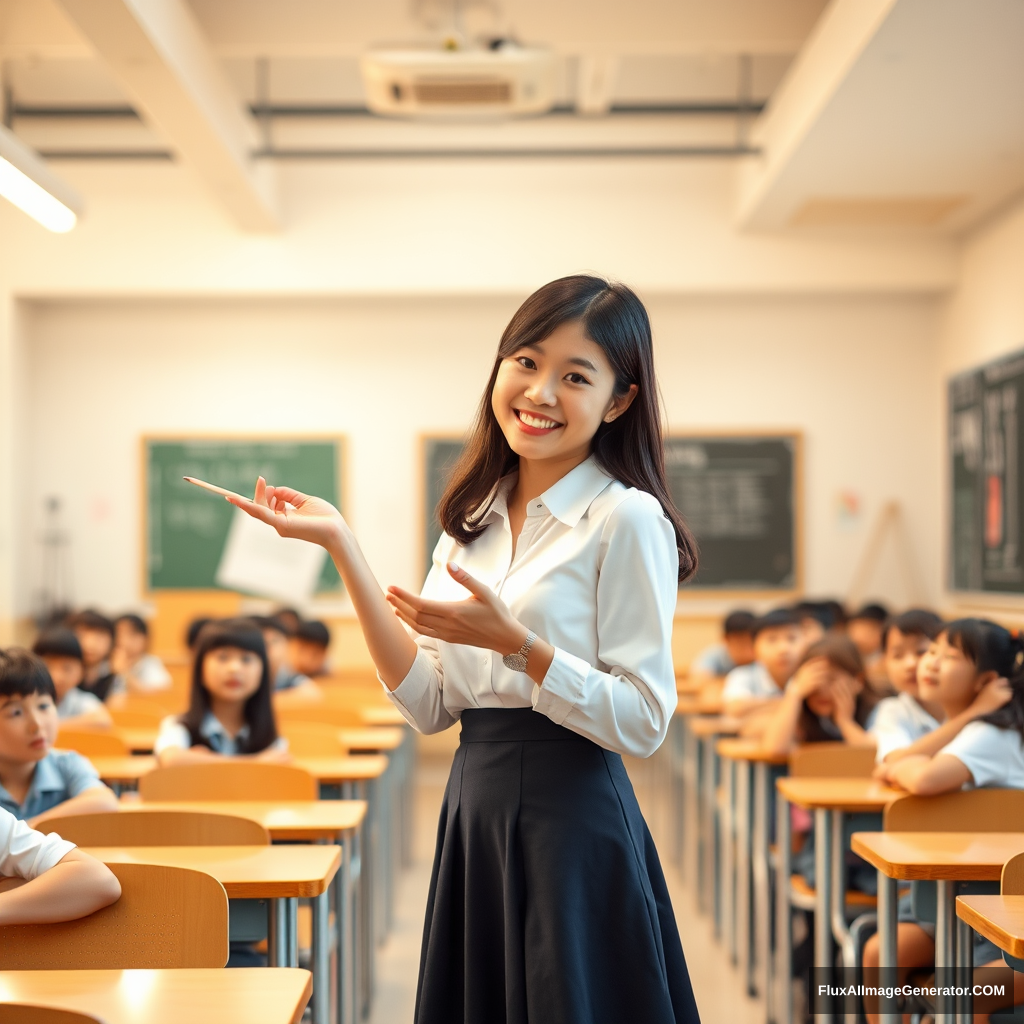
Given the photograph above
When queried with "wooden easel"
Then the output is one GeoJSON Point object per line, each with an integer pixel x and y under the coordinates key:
{"type": "Point", "coordinates": [889, 521]}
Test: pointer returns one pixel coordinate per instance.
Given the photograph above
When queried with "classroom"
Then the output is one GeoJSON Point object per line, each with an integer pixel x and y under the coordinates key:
{"type": "Point", "coordinates": [514, 511]}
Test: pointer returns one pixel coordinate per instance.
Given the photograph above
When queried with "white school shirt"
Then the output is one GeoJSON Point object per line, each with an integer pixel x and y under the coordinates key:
{"type": "Point", "coordinates": [899, 721]}
{"type": "Point", "coordinates": [752, 680]}
{"type": "Point", "coordinates": [173, 734]}
{"type": "Point", "coordinates": [26, 853]}
{"type": "Point", "coordinates": [993, 756]}
{"type": "Point", "coordinates": [595, 574]}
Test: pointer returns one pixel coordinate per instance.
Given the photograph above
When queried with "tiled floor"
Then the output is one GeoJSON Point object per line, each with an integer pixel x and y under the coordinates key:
{"type": "Point", "coordinates": [717, 985]}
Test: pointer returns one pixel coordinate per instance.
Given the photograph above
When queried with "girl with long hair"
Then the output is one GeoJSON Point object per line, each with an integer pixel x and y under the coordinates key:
{"type": "Point", "coordinates": [544, 626]}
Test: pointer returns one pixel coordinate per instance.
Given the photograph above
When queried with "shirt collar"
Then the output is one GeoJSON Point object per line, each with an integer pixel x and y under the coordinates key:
{"type": "Point", "coordinates": [569, 498]}
{"type": "Point", "coordinates": [211, 728]}
{"type": "Point", "coordinates": [45, 779]}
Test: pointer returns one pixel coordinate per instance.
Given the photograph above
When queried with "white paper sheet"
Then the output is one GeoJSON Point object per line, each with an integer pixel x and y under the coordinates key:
{"type": "Point", "coordinates": [258, 561]}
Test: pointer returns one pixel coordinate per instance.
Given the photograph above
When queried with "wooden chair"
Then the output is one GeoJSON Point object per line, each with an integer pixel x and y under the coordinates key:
{"type": "Point", "coordinates": [166, 918]}
{"type": "Point", "coordinates": [832, 761]}
{"type": "Point", "coordinates": [157, 828]}
{"type": "Point", "coordinates": [92, 742]}
{"type": "Point", "coordinates": [312, 739]}
{"type": "Point", "coordinates": [974, 810]}
{"type": "Point", "coordinates": [324, 713]}
{"type": "Point", "coordinates": [1011, 882]}
{"type": "Point", "coordinates": [22, 1013]}
{"type": "Point", "coordinates": [136, 718]}
{"type": "Point", "coordinates": [150, 704]}
{"type": "Point", "coordinates": [228, 780]}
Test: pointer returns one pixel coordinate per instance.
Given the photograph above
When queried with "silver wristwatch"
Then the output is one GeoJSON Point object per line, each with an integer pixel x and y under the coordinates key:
{"type": "Point", "coordinates": [517, 661]}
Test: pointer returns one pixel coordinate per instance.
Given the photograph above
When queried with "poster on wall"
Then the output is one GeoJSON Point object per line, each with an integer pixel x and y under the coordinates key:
{"type": "Point", "coordinates": [985, 453]}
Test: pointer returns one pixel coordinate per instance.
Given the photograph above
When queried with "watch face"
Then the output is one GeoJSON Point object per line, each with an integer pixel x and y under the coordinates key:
{"type": "Point", "coordinates": [516, 662]}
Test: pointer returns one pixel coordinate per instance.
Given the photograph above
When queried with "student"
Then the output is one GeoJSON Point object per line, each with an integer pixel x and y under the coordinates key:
{"type": "Point", "coordinates": [137, 670]}
{"type": "Point", "coordinates": [95, 633]}
{"type": "Point", "coordinates": [974, 658]}
{"type": "Point", "coordinates": [36, 780]}
{"type": "Point", "coordinates": [288, 617]}
{"type": "Point", "coordinates": [61, 653]}
{"type": "Point", "coordinates": [45, 879]}
{"type": "Point", "coordinates": [865, 628]}
{"type": "Point", "coordinates": [902, 719]}
{"type": "Point", "coordinates": [307, 649]}
{"type": "Point", "coordinates": [195, 627]}
{"type": "Point", "coordinates": [276, 637]}
{"type": "Point", "coordinates": [778, 646]}
{"type": "Point", "coordinates": [229, 714]}
{"type": "Point", "coordinates": [826, 700]}
{"type": "Point", "coordinates": [736, 648]}
{"type": "Point", "coordinates": [547, 898]}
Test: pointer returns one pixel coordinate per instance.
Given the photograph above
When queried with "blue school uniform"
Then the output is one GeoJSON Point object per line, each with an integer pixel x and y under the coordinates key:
{"type": "Point", "coordinates": [59, 776]}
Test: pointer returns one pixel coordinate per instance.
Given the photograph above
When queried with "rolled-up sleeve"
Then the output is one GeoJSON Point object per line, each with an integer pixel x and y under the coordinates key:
{"type": "Point", "coordinates": [628, 707]}
{"type": "Point", "coordinates": [26, 853]}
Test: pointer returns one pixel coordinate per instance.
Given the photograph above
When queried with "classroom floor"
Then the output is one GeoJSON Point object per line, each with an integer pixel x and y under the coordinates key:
{"type": "Point", "coordinates": [717, 985]}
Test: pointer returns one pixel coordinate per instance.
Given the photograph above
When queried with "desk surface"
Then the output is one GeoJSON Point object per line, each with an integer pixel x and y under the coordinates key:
{"type": "Point", "coordinates": [246, 872]}
{"type": "Point", "coordinates": [246, 995]}
{"type": "Point", "coordinates": [714, 725]}
{"type": "Point", "coordinates": [838, 794]}
{"type": "Point", "coordinates": [293, 819]}
{"type": "Point", "coordinates": [383, 715]}
{"type": "Point", "coordinates": [324, 769]}
{"type": "Point", "coordinates": [999, 918]}
{"type": "Point", "coordinates": [375, 738]}
{"type": "Point", "coordinates": [978, 856]}
{"type": "Point", "coordinates": [748, 750]}
{"type": "Point", "coordinates": [693, 704]}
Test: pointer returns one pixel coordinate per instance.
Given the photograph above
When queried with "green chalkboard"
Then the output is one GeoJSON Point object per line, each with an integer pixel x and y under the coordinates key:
{"type": "Point", "coordinates": [986, 453]}
{"type": "Point", "coordinates": [186, 527]}
{"type": "Point", "coordinates": [439, 456]}
{"type": "Point", "coordinates": [740, 497]}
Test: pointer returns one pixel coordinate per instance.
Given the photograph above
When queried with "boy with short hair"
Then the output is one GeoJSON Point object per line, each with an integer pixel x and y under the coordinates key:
{"type": "Point", "coordinates": [137, 670]}
{"type": "Point", "coordinates": [95, 633]}
{"type": "Point", "coordinates": [308, 648]}
{"type": "Point", "coordinates": [62, 655]}
{"type": "Point", "coordinates": [736, 648]}
{"type": "Point", "coordinates": [778, 647]}
{"type": "Point", "coordinates": [35, 780]}
{"type": "Point", "coordinates": [866, 628]}
{"type": "Point", "coordinates": [276, 636]}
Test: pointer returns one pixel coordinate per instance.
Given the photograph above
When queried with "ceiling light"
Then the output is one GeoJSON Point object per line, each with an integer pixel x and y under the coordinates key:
{"type": "Point", "coordinates": [28, 183]}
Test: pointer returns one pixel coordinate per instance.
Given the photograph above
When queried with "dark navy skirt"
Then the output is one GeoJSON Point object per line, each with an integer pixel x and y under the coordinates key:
{"type": "Point", "coordinates": [547, 902]}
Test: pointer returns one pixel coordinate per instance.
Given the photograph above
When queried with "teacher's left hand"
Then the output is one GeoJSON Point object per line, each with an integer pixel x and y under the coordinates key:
{"type": "Point", "coordinates": [482, 620]}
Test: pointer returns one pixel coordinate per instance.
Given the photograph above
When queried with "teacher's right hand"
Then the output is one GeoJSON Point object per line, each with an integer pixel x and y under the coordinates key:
{"type": "Point", "coordinates": [294, 514]}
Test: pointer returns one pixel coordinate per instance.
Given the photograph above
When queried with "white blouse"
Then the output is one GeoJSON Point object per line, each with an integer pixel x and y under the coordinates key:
{"type": "Point", "coordinates": [595, 575]}
{"type": "Point", "coordinates": [26, 853]}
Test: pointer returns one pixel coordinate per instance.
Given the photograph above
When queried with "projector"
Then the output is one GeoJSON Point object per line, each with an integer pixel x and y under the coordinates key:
{"type": "Point", "coordinates": [503, 81]}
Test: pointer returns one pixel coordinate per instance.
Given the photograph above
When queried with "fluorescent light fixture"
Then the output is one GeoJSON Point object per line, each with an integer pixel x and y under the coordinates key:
{"type": "Point", "coordinates": [28, 183]}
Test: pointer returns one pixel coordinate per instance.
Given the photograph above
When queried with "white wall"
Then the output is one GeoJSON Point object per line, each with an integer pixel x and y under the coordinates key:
{"type": "Point", "coordinates": [858, 375]}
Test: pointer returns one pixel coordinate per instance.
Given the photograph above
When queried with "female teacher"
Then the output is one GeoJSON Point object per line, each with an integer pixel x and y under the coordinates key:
{"type": "Point", "coordinates": [545, 627]}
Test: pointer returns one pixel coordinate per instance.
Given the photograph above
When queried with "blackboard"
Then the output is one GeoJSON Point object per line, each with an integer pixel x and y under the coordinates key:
{"type": "Point", "coordinates": [439, 456]}
{"type": "Point", "coordinates": [740, 497]}
{"type": "Point", "coordinates": [986, 467]}
{"type": "Point", "coordinates": [185, 527]}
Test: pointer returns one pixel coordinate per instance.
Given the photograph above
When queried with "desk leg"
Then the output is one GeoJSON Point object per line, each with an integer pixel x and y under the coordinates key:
{"type": "Point", "coordinates": [888, 974]}
{"type": "Point", "coordinates": [965, 970]}
{"type": "Point", "coordinates": [741, 821]}
{"type": "Point", "coordinates": [840, 929]}
{"type": "Point", "coordinates": [710, 874]}
{"type": "Point", "coordinates": [728, 843]}
{"type": "Point", "coordinates": [343, 933]}
{"type": "Point", "coordinates": [945, 949]}
{"type": "Point", "coordinates": [321, 907]}
{"type": "Point", "coordinates": [823, 954]}
{"type": "Point", "coordinates": [762, 888]}
{"type": "Point", "coordinates": [691, 809]}
{"type": "Point", "coordinates": [783, 917]}
{"type": "Point", "coordinates": [283, 936]}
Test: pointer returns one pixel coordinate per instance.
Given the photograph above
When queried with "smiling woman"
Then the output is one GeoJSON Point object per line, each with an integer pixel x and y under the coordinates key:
{"type": "Point", "coordinates": [544, 626]}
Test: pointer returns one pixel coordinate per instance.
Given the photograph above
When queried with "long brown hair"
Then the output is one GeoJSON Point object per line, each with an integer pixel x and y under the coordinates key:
{"type": "Point", "coordinates": [629, 449]}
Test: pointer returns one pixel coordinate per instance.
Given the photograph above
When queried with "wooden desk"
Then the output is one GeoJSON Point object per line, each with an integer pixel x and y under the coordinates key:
{"type": "Point", "coordinates": [375, 739]}
{"type": "Point", "coordinates": [830, 800]}
{"type": "Point", "coordinates": [248, 995]}
{"type": "Point", "coordinates": [385, 715]}
{"type": "Point", "coordinates": [999, 918]}
{"type": "Point", "coordinates": [140, 741]}
{"type": "Point", "coordinates": [945, 858]}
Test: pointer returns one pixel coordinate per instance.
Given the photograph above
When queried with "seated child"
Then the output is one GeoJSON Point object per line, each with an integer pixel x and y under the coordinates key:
{"type": "Point", "coordinates": [44, 878]}
{"type": "Point", "coordinates": [736, 648]}
{"type": "Point", "coordinates": [778, 644]}
{"type": "Point", "coordinates": [95, 633]}
{"type": "Point", "coordinates": [35, 780]}
{"type": "Point", "coordinates": [195, 627]}
{"type": "Point", "coordinates": [276, 636]}
{"type": "Point", "coordinates": [61, 653]}
{"type": "Point", "coordinates": [974, 658]}
{"type": "Point", "coordinates": [826, 700]}
{"type": "Point", "coordinates": [866, 628]}
{"type": "Point", "coordinates": [230, 712]}
{"type": "Point", "coordinates": [902, 719]}
{"type": "Point", "coordinates": [137, 670]}
{"type": "Point", "coordinates": [307, 649]}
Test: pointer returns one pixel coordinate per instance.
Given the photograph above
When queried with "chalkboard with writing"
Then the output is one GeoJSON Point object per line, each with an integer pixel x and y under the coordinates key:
{"type": "Point", "coordinates": [986, 467]}
{"type": "Point", "coordinates": [739, 496]}
{"type": "Point", "coordinates": [186, 527]}
{"type": "Point", "coordinates": [439, 456]}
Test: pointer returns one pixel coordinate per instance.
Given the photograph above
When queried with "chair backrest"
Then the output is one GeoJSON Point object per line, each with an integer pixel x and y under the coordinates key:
{"type": "Point", "coordinates": [22, 1013]}
{"type": "Point", "coordinates": [92, 742]}
{"type": "Point", "coordinates": [138, 718]}
{"type": "Point", "coordinates": [147, 704]}
{"type": "Point", "coordinates": [312, 739]}
{"type": "Point", "coordinates": [157, 828]}
{"type": "Point", "coordinates": [973, 810]}
{"type": "Point", "coordinates": [228, 780]}
{"type": "Point", "coordinates": [1012, 881]}
{"type": "Point", "coordinates": [166, 918]}
{"type": "Point", "coordinates": [832, 761]}
{"type": "Point", "coordinates": [325, 713]}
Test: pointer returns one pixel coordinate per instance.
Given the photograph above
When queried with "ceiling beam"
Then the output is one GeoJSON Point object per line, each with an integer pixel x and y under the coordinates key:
{"type": "Point", "coordinates": [157, 52]}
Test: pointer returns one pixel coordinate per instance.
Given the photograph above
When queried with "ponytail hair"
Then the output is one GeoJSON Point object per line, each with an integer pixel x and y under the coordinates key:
{"type": "Point", "coordinates": [992, 648]}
